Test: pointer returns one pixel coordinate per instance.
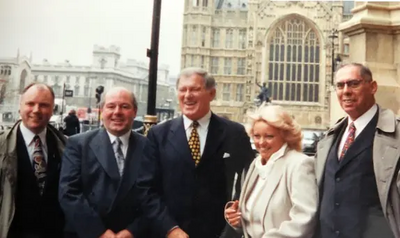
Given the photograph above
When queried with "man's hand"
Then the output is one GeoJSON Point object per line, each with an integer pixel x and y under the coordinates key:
{"type": "Point", "coordinates": [177, 233]}
{"type": "Point", "coordinates": [108, 234]}
{"type": "Point", "coordinates": [124, 234]}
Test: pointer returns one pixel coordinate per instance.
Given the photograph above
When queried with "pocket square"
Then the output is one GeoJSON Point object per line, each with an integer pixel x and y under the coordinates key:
{"type": "Point", "coordinates": [226, 155]}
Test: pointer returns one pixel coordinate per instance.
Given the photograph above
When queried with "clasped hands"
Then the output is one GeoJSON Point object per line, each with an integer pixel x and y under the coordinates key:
{"type": "Point", "coordinates": [232, 214]}
{"type": "Point", "coordinates": [122, 234]}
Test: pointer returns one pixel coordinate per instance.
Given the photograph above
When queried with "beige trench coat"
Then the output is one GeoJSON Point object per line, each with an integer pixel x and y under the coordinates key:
{"type": "Point", "coordinates": [386, 154]}
{"type": "Point", "coordinates": [8, 172]}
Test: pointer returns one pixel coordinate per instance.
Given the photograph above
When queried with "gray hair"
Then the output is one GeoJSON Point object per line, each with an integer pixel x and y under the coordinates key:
{"type": "Point", "coordinates": [134, 101]}
{"type": "Point", "coordinates": [365, 72]}
{"type": "Point", "coordinates": [209, 80]}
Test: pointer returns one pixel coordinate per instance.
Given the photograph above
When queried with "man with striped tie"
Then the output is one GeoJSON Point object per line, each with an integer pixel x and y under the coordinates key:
{"type": "Point", "coordinates": [357, 164]}
{"type": "Point", "coordinates": [30, 159]}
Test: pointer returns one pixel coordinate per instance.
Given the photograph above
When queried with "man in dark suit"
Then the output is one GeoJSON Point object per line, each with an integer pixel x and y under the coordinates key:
{"type": "Point", "coordinates": [201, 157]}
{"type": "Point", "coordinates": [72, 125]}
{"type": "Point", "coordinates": [357, 163]}
{"type": "Point", "coordinates": [30, 159]}
{"type": "Point", "coordinates": [100, 171]}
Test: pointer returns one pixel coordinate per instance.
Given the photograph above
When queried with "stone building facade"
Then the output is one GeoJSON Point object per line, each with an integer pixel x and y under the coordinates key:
{"type": "Point", "coordinates": [285, 44]}
{"type": "Point", "coordinates": [106, 70]}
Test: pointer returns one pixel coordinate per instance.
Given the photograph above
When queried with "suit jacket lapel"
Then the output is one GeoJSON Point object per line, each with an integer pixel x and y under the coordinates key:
{"type": "Point", "coordinates": [249, 183]}
{"type": "Point", "coordinates": [362, 142]}
{"type": "Point", "coordinates": [273, 180]}
{"type": "Point", "coordinates": [104, 153]}
{"type": "Point", "coordinates": [179, 141]}
{"type": "Point", "coordinates": [215, 137]}
{"type": "Point", "coordinates": [53, 159]}
{"type": "Point", "coordinates": [356, 148]}
{"type": "Point", "coordinates": [132, 163]}
{"type": "Point", "coordinates": [324, 146]}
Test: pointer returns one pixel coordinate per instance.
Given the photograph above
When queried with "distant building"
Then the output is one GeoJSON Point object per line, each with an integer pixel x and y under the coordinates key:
{"type": "Point", "coordinates": [106, 70]}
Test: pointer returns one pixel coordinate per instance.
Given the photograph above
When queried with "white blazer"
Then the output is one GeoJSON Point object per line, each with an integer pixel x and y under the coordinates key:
{"type": "Point", "coordinates": [291, 197]}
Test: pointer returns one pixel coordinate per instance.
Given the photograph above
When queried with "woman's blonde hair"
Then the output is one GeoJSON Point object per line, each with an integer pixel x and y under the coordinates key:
{"type": "Point", "coordinates": [277, 117]}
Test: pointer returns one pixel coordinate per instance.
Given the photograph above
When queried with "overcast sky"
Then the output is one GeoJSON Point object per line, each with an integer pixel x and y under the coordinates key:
{"type": "Point", "coordinates": [57, 30]}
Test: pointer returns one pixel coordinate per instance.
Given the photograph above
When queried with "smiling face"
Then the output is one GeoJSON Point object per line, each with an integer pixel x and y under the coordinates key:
{"type": "Point", "coordinates": [118, 112]}
{"type": "Point", "coordinates": [267, 139]}
{"type": "Point", "coordinates": [359, 98]}
{"type": "Point", "coordinates": [36, 108]}
{"type": "Point", "coordinates": [194, 98]}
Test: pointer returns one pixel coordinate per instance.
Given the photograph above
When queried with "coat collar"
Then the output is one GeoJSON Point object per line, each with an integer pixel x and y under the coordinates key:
{"type": "Point", "coordinates": [386, 153]}
{"type": "Point", "coordinates": [9, 147]}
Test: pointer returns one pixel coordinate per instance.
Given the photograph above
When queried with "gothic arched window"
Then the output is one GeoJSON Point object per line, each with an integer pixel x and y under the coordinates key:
{"type": "Point", "coordinates": [294, 57]}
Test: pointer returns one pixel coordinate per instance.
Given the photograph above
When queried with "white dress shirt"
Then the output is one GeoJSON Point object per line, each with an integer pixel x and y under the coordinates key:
{"type": "Point", "coordinates": [30, 144]}
{"type": "Point", "coordinates": [124, 140]}
{"type": "Point", "coordinates": [202, 129]}
{"type": "Point", "coordinates": [254, 217]}
{"type": "Point", "coordinates": [360, 123]}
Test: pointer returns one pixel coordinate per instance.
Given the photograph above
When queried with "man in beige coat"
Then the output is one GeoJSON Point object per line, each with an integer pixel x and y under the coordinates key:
{"type": "Point", "coordinates": [357, 163]}
{"type": "Point", "coordinates": [30, 160]}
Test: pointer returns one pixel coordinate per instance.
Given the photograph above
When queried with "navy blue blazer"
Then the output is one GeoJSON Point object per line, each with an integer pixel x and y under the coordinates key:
{"type": "Point", "coordinates": [195, 196]}
{"type": "Point", "coordinates": [93, 195]}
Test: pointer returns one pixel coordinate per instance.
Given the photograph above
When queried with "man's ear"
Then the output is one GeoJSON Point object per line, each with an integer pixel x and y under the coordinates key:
{"type": "Point", "coordinates": [213, 93]}
{"type": "Point", "coordinates": [374, 85]}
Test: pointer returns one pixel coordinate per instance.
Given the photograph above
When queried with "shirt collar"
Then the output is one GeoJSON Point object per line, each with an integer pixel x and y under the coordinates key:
{"type": "Point", "coordinates": [361, 122]}
{"type": "Point", "coordinates": [203, 122]}
{"type": "Point", "coordinates": [124, 138]}
{"type": "Point", "coordinates": [29, 135]}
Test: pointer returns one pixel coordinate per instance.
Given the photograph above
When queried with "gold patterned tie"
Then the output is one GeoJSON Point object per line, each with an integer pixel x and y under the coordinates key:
{"type": "Point", "coordinates": [194, 143]}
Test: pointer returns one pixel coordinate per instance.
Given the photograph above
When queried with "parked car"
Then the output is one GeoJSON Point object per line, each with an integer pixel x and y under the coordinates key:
{"type": "Point", "coordinates": [310, 141]}
{"type": "Point", "coordinates": [138, 125]}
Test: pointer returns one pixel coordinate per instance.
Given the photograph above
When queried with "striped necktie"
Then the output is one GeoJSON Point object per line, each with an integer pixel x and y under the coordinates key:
{"type": "Point", "coordinates": [349, 140]}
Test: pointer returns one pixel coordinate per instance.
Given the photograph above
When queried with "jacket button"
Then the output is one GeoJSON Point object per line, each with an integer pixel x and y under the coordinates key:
{"type": "Point", "coordinates": [337, 179]}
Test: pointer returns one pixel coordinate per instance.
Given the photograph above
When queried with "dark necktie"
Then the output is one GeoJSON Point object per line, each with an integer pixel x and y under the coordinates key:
{"type": "Point", "coordinates": [119, 156]}
{"type": "Point", "coordinates": [194, 143]}
{"type": "Point", "coordinates": [39, 164]}
{"type": "Point", "coordinates": [349, 140]}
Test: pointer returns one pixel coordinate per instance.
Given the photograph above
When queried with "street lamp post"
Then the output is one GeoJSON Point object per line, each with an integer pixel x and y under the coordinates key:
{"type": "Point", "coordinates": [151, 118]}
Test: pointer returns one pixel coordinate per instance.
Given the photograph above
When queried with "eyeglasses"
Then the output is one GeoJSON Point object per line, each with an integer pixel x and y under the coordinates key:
{"type": "Point", "coordinates": [352, 83]}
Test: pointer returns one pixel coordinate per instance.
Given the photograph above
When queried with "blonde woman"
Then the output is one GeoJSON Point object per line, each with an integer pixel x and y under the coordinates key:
{"type": "Point", "coordinates": [279, 195]}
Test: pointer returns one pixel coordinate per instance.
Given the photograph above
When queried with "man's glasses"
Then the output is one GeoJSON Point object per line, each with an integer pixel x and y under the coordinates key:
{"type": "Point", "coordinates": [352, 83]}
